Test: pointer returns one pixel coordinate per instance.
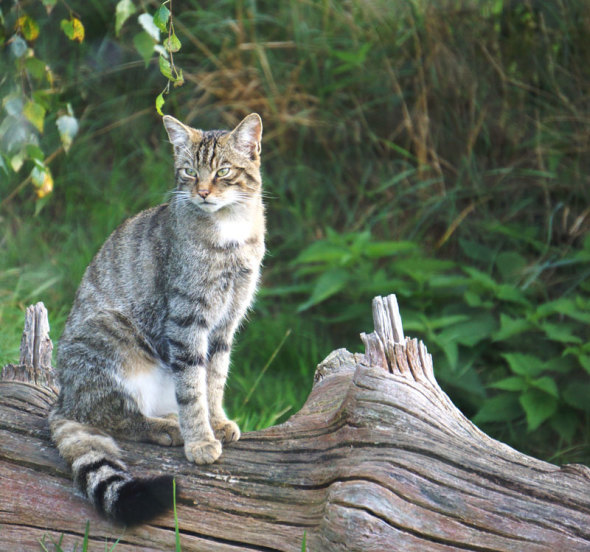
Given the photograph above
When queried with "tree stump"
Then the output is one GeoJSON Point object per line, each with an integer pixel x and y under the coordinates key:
{"type": "Point", "coordinates": [378, 459]}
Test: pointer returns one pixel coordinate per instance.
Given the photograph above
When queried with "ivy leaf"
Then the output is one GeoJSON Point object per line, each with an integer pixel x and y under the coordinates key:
{"type": "Point", "coordinates": [28, 27]}
{"type": "Point", "coordinates": [68, 128]}
{"type": "Point", "coordinates": [161, 18]}
{"type": "Point", "coordinates": [172, 44]}
{"type": "Point", "coordinates": [124, 10]}
{"type": "Point", "coordinates": [73, 29]}
{"type": "Point", "coordinates": [144, 44]}
{"type": "Point", "coordinates": [35, 113]}
{"type": "Point", "coordinates": [160, 103]}
{"type": "Point", "coordinates": [538, 407]}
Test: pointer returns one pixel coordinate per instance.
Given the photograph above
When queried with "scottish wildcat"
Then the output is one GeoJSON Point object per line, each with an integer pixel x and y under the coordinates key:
{"type": "Point", "coordinates": [145, 351]}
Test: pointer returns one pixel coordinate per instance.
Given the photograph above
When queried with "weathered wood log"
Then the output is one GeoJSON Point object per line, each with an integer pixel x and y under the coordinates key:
{"type": "Point", "coordinates": [377, 459]}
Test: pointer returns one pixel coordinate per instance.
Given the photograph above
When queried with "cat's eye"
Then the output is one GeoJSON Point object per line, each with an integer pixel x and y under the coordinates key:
{"type": "Point", "coordinates": [189, 171]}
{"type": "Point", "coordinates": [223, 172]}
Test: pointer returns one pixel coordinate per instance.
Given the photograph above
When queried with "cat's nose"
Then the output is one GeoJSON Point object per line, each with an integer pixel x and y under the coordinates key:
{"type": "Point", "coordinates": [204, 193]}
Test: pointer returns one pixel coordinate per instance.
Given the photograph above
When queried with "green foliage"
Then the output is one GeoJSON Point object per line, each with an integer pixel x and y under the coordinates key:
{"type": "Point", "coordinates": [30, 94]}
{"type": "Point", "coordinates": [531, 348]}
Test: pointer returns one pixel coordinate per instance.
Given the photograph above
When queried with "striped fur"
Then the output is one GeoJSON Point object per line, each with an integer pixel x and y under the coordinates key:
{"type": "Point", "coordinates": [145, 351]}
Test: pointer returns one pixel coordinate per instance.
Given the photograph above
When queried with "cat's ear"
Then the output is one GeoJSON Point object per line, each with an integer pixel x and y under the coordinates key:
{"type": "Point", "coordinates": [247, 135]}
{"type": "Point", "coordinates": [180, 135]}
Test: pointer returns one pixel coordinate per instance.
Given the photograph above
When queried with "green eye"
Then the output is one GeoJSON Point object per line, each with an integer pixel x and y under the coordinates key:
{"type": "Point", "coordinates": [189, 171]}
{"type": "Point", "coordinates": [223, 172]}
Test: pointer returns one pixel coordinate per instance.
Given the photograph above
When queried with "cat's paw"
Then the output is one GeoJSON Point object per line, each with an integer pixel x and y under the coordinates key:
{"type": "Point", "coordinates": [203, 452]}
{"type": "Point", "coordinates": [165, 431]}
{"type": "Point", "coordinates": [227, 431]}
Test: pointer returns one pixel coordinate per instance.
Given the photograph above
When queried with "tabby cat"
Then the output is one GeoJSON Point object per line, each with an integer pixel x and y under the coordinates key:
{"type": "Point", "coordinates": [145, 351]}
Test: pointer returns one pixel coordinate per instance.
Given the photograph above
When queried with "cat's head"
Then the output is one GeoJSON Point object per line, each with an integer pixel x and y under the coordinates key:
{"type": "Point", "coordinates": [216, 169]}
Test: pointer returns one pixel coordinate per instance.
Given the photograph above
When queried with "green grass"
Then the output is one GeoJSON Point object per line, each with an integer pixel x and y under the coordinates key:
{"type": "Point", "coordinates": [456, 130]}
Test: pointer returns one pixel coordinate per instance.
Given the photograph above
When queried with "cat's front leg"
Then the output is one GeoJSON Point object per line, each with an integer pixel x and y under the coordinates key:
{"type": "Point", "coordinates": [219, 351]}
{"type": "Point", "coordinates": [189, 366]}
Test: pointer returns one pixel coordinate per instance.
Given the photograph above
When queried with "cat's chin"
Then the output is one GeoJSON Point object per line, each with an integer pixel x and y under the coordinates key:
{"type": "Point", "coordinates": [208, 207]}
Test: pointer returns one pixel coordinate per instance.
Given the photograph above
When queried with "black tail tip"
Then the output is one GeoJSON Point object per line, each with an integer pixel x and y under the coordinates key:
{"type": "Point", "coordinates": [141, 500]}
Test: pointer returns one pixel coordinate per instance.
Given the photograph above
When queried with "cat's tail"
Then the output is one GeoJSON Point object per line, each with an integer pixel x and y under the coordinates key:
{"type": "Point", "coordinates": [100, 474]}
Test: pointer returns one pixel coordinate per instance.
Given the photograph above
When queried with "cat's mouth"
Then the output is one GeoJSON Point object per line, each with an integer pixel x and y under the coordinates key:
{"type": "Point", "coordinates": [207, 205]}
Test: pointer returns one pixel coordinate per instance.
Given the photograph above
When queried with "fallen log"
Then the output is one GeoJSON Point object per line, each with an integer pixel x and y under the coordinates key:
{"type": "Point", "coordinates": [377, 459]}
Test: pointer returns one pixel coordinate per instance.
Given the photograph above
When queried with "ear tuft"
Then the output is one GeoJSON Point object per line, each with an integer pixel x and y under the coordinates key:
{"type": "Point", "coordinates": [179, 133]}
{"type": "Point", "coordinates": [247, 135]}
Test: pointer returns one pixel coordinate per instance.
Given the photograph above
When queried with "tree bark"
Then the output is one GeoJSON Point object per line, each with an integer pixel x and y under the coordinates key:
{"type": "Point", "coordinates": [377, 459]}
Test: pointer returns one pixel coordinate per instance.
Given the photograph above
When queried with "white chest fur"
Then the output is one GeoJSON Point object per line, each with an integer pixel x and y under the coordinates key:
{"type": "Point", "coordinates": [233, 227]}
{"type": "Point", "coordinates": [153, 390]}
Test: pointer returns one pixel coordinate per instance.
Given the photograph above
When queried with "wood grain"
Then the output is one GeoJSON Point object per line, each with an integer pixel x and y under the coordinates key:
{"type": "Point", "coordinates": [377, 459]}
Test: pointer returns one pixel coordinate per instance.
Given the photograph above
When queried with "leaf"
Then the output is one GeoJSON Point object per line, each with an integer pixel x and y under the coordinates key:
{"type": "Point", "coordinates": [584, 360]}
{"type": "Point", "coordinates": [513, 383]}
{"type": "Point", "coordinates": [471, 331]}
{"type": "Point", "coordinates": [17, 161]}
{"type": "Point", "coordinates": [510, 265]}
{"type": "Point", "coordinates": [161, 18]}
{"type": "Point", "coordinates": [327, 285]}
{"type": "Point", "coordinates": [35, 113]}
{"type": "Point", "coordinates": [538, 407]}
{"type": "Point", "coordinates": [179, 79]}
{"type": "Point", "coordinates": [576, 394]}
{"type": "Point", "coordinates": [501, 408]}
{"type": "Point", "coordinates": [508, 292]}
{"type": "Point", "coordinates": [160, 103]}
{"type": "Point", "coordinates": [323, 252]}
{"type": "Point", "coordinates": [523, 364]}
{"type": "Point", "coordinates": [34, 152]}
{"type": "Point", "coordinates": [172, 44]}
{"type": "Point", "coordinates": [377, 250]}
{"type": "Point", "coordinates": [566, 423]}
{"type": "Point", "coordinates": [547, 385]}
{"type": "Point", "coordinates": [446, 321]}
{"type": "Point", "coordinates": [49, 4]}
{"type": "Point", "coordinates": [560, 332]}
{"type": "Point", "coordinates": [148, 25]}
{"type": "Point", "coordinates": [36, 67]}
{"type": "Point", "coordinates": [165, 68]}
{"type": "Point", "coordinates": [18, 46]}
{"type": "Point", "coordinates": [42, 180]}
{"type": "Point", "coordinates": [479, 277]}
{"type": "Point", "coordinates": [144, 44]}
{"type": "Point", "coordinates": [73, 29]}
{"type": "Point", "coordinates": [476, 251]}
{"type": "Point", "coordinates": [124, 10]}
{"type": "Point", "coordinates": [510, 327]}
{"type": "Point", "coordinates": [28, 27]}
{"type": "Point", "coordinates": [68, 128]}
